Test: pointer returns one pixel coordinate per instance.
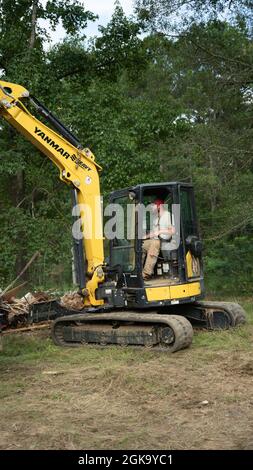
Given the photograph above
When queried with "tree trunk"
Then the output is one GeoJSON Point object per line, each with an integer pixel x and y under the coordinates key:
{"type": "Point", "coordinates": [19, 179]}
{"type": "Point", "coordinates": [33, 24]}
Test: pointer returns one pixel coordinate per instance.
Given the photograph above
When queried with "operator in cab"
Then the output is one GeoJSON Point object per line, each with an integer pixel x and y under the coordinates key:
{"type": "Point", "coordinates": [161, 229]}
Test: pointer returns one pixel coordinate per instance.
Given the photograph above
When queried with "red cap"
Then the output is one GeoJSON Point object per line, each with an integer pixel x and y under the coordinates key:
{"type": "Point", "coordinates": [158, 202]}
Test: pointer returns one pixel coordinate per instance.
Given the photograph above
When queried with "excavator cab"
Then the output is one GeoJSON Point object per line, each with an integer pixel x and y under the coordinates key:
{"type": "Point", "coordinates": [179, 262]}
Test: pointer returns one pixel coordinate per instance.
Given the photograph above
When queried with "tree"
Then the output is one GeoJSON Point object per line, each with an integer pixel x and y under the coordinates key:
{"type": "Point", "coordinates": [156, 108]}
{"type": "Point", "coordinates": [23, 60]}
{"type": "Point", "coordinates": [179, 15]}
{"type": "Point", "coordinates": [119, 47]}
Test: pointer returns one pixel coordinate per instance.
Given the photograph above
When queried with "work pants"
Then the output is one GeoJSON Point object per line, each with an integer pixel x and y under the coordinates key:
{"type": "Point", "coordinates": [150, 250]}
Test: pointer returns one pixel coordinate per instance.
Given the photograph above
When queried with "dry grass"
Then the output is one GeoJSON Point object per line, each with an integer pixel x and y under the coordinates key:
{"type": "Point", "coordinates": [54, 398]}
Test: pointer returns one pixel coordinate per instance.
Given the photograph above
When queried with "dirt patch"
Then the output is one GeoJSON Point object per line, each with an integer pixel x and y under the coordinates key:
{"type": "Point", "coordinates": [247, 368]}
{"type": "Point", "coordinates": [117, 399]}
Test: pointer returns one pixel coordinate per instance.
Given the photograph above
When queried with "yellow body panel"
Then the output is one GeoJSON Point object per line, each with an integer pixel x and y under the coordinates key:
{"type": "Point", "coordinates": [189, 265]}
{"type": "Point", "coordinates": [173, 292]}
{"type": "Point", "coordinates": [92, 285]}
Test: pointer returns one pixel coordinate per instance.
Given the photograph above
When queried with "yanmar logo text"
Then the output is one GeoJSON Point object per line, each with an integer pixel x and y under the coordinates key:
{"type": "Point", "coordinates": [61, 150]}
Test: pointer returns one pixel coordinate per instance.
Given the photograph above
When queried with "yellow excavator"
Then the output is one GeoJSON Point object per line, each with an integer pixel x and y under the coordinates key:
{"type": "Point", "coordinates": [119, 305]}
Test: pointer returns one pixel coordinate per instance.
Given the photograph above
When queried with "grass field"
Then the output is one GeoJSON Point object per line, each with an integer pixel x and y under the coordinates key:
{"type": "Point", "coordinates": [86, 398]}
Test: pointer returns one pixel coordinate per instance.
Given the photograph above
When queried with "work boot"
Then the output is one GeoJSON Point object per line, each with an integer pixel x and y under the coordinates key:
{"type": "Point", "coordinates": [146, 276]}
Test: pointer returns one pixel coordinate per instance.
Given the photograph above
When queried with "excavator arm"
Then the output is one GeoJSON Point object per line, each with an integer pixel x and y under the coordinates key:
{"type": "Point", "coordinates": [77, 168]}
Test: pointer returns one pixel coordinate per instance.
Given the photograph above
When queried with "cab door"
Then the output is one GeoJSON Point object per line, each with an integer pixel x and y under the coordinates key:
{"type": "Point", "coordinates": [122, 243]}
{"type": "Point", "coordinates": [190, 233]}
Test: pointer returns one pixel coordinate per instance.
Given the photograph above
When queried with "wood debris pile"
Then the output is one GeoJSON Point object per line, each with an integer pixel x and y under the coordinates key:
{"type": "Point", "coordinates": [15, 311]}
{"type": "Point", "coordinates": [72, 301]}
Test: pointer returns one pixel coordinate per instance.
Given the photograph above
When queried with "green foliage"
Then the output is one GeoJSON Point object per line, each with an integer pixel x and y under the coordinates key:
{"type": "Point", "coordinates": [230, 262]}
{"type": "Point", "coordinates": [169, 15]}
{"type": "Point", "coordinates": [35, 209]}
{"type": "Point", "coordinates": [71, 13]}
{"type": "Point", "coordinates": [153, 108]}
{"type": "Point", "coordinates": [119, 48]}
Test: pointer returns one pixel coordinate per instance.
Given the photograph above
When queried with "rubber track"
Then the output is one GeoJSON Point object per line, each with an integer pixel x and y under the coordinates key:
{"type": "Point", "coordinates": [181, 327]}
{"type": "Point", "coordinates": [235, 311]}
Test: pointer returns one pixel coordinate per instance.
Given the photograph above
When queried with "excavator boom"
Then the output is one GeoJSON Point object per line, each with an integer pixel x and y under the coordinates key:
{"type": "Point", "coordinates": [77, 168]}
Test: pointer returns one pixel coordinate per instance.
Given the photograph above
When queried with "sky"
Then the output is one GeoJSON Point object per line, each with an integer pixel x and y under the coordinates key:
{"type": "Point", "coordinates": [103, 8]}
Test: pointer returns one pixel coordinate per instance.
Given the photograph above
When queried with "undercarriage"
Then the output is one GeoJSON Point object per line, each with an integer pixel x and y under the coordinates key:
{"type": "Point", "coordinates": [154, 330]}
